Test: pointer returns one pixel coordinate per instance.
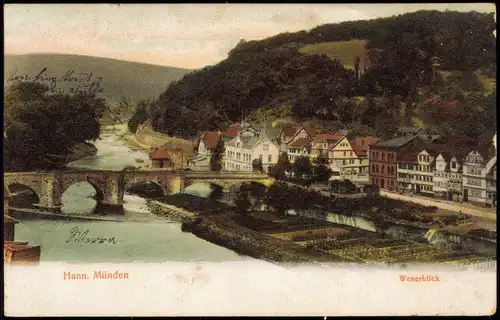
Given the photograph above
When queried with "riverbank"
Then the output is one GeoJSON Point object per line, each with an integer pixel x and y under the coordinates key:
{"type": "Point", "coordinates": [222, 230]}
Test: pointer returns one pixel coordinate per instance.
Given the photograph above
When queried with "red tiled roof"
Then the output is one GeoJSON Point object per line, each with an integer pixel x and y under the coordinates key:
{"type": "Point", "coordinates": [211, 139]}
{"type": "Point", "coordinates": [300, 143]}
{"type": "Point", "coordinates": [289, 130]}
{"type": "Point", "coordinates": [232, 132]}
{"type": "Point", "coordinates": [328, 136]}
{"type": "Point", "coordinates": [361, 144]}
{"type": "Point", "coordinates": [160, 155]}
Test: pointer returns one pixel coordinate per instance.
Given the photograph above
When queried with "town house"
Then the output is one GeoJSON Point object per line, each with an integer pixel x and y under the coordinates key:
{"type": "Point", "coordinates": [407, 170]}
{"type": "Point", "coordinates": [360, 145]}
{"type": "Point", "coordinates": [448, 177]}
{"type": "Point", "coordinates": [479, 177]}
{"type": "Point", "coordinates": [242, 150]}
{"type": "Point", "coordinates": [343, 157]}
{"type": "Point", "coordinates": [384, 156]}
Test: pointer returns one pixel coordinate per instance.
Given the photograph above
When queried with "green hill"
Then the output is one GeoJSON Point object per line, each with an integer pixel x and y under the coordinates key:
{"type": "Point", "coordinates": [344, 51]}
{"type": "Point", "coordinates": [307, 76]}
{"type": "Point", "coordinates": [135, 81]}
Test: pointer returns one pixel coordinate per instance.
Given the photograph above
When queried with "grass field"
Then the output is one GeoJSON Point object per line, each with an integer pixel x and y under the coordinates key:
{"type": "Point", "coordinates": [344, 51]}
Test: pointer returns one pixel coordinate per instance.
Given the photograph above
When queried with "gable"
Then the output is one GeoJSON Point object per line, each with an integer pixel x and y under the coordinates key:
{"type": "Point", "coordinates": [343, 144]}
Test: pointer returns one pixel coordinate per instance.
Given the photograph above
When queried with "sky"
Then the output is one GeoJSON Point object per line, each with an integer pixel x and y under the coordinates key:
{"type": "Point", "coordinates": [179, 35]}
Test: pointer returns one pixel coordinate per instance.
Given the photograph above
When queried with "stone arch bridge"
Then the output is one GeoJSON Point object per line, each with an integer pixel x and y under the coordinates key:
{"type": "Point", "coordinates": [110, 185]}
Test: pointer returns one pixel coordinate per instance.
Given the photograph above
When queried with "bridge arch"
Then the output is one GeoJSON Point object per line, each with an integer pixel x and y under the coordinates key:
{"type": "Point", "coordinates": [15, 189]}
{"type": "Point", "coordinates": [235, 186]}
{"type": "Point", "coordinates": [146, 188]}
{"type": "Point", "coordinates": [81, 200]}
{"type": "Point", "coordinates": [191, 187]}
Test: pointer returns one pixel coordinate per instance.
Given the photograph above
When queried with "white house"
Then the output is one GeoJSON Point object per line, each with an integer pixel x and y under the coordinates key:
{"type": "Point", "coordinates": [447, 178]}
{"type": "Point", "coordinates": [242, 150]}
{"type": "Point", "coordinates": [479, 176]}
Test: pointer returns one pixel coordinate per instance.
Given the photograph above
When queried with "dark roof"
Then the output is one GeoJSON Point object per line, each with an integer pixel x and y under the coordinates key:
{"type": "Point", "coordinates": [395, 143]}
{"type": "Point", "coordinates": [435, 149]}
{"type": "Point", "coordinates": [407, 131]}
{"type": "Point", "coordinates": [409, 155]}
{"type": "Point", "coordinates": [289, 130]}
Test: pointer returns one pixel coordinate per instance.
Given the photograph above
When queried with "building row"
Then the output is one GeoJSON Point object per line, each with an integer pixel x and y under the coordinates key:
{"type": "Point", "coordinates": [244, 143]}
{"type": "Point", "coordinates": [414, 162]}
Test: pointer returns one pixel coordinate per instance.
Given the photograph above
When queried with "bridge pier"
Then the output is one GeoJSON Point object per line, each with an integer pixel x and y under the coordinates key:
{"type": "Point", "coordinates": [109, 208]}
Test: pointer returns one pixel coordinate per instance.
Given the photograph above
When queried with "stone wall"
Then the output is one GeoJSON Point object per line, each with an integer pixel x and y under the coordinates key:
{"type": "Point", "coordinates": [171, 212]}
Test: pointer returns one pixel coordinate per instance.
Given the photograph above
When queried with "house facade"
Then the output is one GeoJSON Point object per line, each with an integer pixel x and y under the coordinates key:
{"type": "Point", "coordinates": [478, 169]}
{"type": "Point", "coordinates": [425, 172]}
{"type": "Point", "coordinates": [407, 171]}
{"type": "Point", "coordinates": [343, 156]}
{"type": "Point", "coordinates": [384, 157]}
{"type": "Point", "coordinates": [360, 146]}
{"type": "Point", "coordinates": [241, 151]}
{"type": "Point", "coordinates": [447, 177]}
{"type": "Point", "coordinates": [161, 159]}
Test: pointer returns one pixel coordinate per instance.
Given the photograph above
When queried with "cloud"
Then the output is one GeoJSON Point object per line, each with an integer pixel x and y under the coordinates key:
{"type": "Point", "coordinates": [183, 35]}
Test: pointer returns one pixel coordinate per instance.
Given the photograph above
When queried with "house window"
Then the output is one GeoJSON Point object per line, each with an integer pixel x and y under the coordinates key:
{"type": "Point", "coordinates": [266, 146]}
{"type": "Point", "coordinates": [383, 156]}
{"type": "Point", "coordinates": [350, 153]}
{"type": "Point", "coordinates": [260, 158]}
{"type": "Point", "coordinates": [373, 168]}
{"type": "Point", "coordinates": [453, 165]}
{"type": "Point", "coordinates": [382, 170]}
{"type": "Point", "coordinates": [269, 157]}
{"type": "Point", "coordinates": [237, 145]}
{"type": "Point", "coordinates": [376, 168]}
{"type": "Point", "coordinates": [345, 153]}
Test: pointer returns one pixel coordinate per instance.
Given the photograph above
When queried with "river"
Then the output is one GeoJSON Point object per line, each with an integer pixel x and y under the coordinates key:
{"type": "Point", "coordinates": [140, 236]}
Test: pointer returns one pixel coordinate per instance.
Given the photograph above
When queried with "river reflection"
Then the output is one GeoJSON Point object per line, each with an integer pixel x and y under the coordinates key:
{"type": "Point", "coordinates": [141, 236]}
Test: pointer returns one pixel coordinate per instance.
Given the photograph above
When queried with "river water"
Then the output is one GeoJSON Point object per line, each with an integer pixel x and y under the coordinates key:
{"type": "Point", "coordinates": [140, 236]}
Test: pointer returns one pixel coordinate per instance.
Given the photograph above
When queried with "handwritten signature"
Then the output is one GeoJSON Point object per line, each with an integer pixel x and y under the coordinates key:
{"type": "Point", "coordinates": [75, 235]}
{"type": "Point", "coordinates": [85, 83]}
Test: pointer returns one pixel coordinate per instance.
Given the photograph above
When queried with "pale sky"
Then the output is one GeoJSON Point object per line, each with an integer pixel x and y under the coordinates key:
{"type": "Point", "coordinates": [178, 35]}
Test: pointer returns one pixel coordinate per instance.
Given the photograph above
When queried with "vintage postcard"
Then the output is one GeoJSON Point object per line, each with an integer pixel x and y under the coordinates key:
{"type": "Point", "coordinates": [250, 159]}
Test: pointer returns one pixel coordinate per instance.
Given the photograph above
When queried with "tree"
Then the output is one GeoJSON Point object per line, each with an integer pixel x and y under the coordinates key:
{"type": "Point", "coordinates": [279, 170]}
{"type": "Point", "coordinates": [140, 115]}
{"type": "Point", "coordinates": [278, 198]}
{"type": "Point", "coordinates": [216, 193]}
{"type": "Point", "coordinates": [217, 156]}
{"type": "Point", "coordinates": [242, 202]}
{"type": "Point", "coordinates": [321, 170]}
{"type": "Point", "coordinates": [46, 124]}
{"type": "Point", "coordinates": [256, 191]}
{"type": "Point", "coordinates": [302, 167]}
{"type": "Point", "coordinates": [257, 165]}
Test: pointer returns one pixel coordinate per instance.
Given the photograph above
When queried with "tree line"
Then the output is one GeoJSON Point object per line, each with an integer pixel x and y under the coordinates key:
{"type": "Point", "coordinates": [38, 124]}
{"type": "Point", "coordinates": [272, 74]}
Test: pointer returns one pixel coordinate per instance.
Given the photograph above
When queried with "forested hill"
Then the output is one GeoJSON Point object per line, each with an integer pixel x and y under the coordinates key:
{"type": "Point", "coordinates": [310, 76]}
{"type": "Point", "coordinates": [135, 81]}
